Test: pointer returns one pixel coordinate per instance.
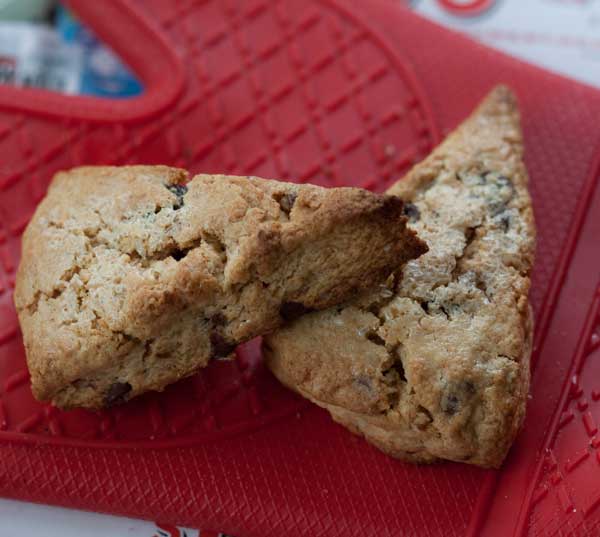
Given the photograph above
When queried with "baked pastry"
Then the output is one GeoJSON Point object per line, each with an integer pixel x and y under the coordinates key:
{"type": "Point", "coordinates": [435, 364]}
{"type": "Point", "coordinates": [131, 278]}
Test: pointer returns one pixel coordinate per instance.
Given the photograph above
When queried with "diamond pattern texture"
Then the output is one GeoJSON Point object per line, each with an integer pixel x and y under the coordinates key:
{"type": "Point", "coordinates": [335, 93]}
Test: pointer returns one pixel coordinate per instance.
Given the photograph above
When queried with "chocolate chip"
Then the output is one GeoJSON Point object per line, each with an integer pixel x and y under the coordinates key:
{"type": "Point", "coordinates": [399, 368]}
{"type": "Point", "coordinates": [458, 391]}
{"type": "Point", "coordinates": [178, 255]}
{"type": "Point", "coordinates": [497, 207]}
{"type": "Point", "coordinates": [218, 319]}
{"type": "Point", "coordinates": [180, 191]}
{"type": "Point", "coordinates": [505, 223]}
{"type": "Point", "coordinates": [395, 372]}
{"type": "Point", "coordinates": [506, 183]}
{"type": "Point", "coordinates": [412, 211]}
{"type": "Point", "coordinates": [376, 338]}
{"type": "Point", "coordinates": [481, 285]}
{"type": "Point", "coordinates": [364, 381]}
{"type": "Point", "coordinates": [286, 202]}
{"type": "Point", "coordinates": [425, 306]}
{"type": "Point", "coordinates": [116, 393]}
{"type": "Point", "coordinates": [469, 235]}
{"type": "Point", "coordinates": [292, 310]}
{"type": "Point", "coordinates": [220, 347]}
{"type": "Point", "coordinates": [450, 404]}
{"type": "Point", "coordinates": [468, 387]}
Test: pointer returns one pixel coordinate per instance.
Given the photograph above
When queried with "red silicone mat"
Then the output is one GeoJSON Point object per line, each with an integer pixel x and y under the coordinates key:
{"type": "Point", "coordinates": [338, 93]}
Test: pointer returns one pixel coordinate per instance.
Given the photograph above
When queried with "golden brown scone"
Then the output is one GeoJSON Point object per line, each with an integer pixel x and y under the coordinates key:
{"type": "Point", "coordinates": [435, 365]}
{"type": "Point", "coordinates": [131, 279]}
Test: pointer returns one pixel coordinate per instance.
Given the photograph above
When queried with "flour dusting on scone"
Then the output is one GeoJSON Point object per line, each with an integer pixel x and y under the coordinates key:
{"type": "Point", "coordinates": [436, 363]}
{"type": "Point", "coordinates": [132, 278]}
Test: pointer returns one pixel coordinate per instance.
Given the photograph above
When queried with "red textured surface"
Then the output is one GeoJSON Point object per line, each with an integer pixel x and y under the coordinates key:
{"type": "Point", "coordinates": [335, 93]}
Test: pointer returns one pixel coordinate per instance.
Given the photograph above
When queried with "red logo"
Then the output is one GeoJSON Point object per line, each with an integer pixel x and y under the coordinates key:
{"type": "Point", "coordinates": [166, 530]}
{"type": "Point", "coordinates": [466, 7]}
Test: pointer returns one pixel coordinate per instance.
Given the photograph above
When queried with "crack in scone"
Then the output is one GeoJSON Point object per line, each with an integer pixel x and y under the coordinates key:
{"type": "Point", "coordinates": [132, 278]}
{"type": "Point", "coordinates": [438, 366]}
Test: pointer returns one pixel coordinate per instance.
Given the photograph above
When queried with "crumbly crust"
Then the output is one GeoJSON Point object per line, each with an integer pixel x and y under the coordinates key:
{"type": "Point", "coordinates": [435, 365]}
{"type": "Point", "coordinates": [132, 278]}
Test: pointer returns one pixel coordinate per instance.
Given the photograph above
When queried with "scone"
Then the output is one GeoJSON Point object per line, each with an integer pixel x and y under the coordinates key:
{"type": "Point", "coordinates": [435, 364]}
{"type": "Point", "coordinates": [131, 278]}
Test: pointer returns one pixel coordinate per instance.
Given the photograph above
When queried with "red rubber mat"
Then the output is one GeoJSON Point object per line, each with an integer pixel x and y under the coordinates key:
{"type": "Point", "coordinates": [335, 92]}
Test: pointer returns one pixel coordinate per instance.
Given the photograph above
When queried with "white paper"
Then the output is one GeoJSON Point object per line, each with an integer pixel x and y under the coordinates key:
{"type": "Point", "coordinates": [560, 35]}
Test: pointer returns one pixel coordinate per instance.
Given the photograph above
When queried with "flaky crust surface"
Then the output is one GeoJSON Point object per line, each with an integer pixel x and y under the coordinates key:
{"type": "Point", "coordinates": [436, 363]}
{"type": "Point", "coordinates": [132, 277]}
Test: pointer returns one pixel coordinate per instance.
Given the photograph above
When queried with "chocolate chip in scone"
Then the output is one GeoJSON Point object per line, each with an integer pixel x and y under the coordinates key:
{"type": "Point", "coordinates": [180, 191]}
{"type": "Point", "coordinates": [505, 222]}
{"type": "Point", "coordinates": [460, 391]}
{"type": "Point", "coordinates": [116, 394]}
{"type": "Point", "coordinates": [394, 376]}
{"type": "Point", "coordinates": [178, 255]}
{"type": "Point", "coordinates": [395, 371]}
{"type": "Point", "coordinates": [286, 202]}
{"type": "Point", "coordinates": [450, 404]}
{"type": "Point", "coordinates": [505, 184]}
{"type": "Point", "coordinates": [412, 212]}
{"type": "Point", "coordinates": [364, 382]}
{"type": "Point", "coordinates": [218, 319]}
{"type": "Point", "coordinates": [468, 387]}
{"type": "Point", "coordinates": [482, 179]}
{"type": "Point", "coordinates": [290, 311]}
{"type": "Point", "coordinates": [497, 207]}
{"type": "Point", "coordinates": [469, 235]}
{"type": "Point", "coordinates": [374, 337]}
{"type": "Point", "coordinates": [425, 306]}
{"type": "Point", "coordinates": [398, 366]}
{"type": "Point", "coordinates": [220, 347]}
{"type": "Point", "coordinates": [481, 285]}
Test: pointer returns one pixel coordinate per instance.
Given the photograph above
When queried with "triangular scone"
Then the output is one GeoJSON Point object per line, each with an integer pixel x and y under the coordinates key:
{"type": "Point", "coordinates": [436, 364]}
{"type": "Point", "coordinates": [131, 278]}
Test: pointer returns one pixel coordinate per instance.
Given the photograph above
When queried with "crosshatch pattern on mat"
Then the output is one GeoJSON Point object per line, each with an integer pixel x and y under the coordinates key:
{"type": "Point", "coordinates": [275, 89]}
{"type": "Point", "coordinates": [566, 498]}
